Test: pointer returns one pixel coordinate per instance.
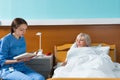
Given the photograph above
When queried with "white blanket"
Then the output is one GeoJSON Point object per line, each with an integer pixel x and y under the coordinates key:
{"type": "Point", "coordinates": [86, 62]}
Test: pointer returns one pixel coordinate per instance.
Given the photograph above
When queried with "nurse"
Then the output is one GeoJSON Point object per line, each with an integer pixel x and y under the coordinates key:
{"type": "Point", "coordinates": [11, 45]}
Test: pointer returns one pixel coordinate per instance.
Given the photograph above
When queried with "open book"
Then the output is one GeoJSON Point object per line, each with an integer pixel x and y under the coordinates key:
{"type": "Point", "coordinates": [25, 55]}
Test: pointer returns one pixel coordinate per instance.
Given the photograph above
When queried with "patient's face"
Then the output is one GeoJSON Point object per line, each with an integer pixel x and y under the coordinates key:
{"type": "Point", "coordinates": [81, 42]}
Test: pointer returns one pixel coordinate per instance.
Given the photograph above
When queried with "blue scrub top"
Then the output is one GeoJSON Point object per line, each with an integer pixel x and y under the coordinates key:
{"type": "Point", "coordinates": [10, 47]}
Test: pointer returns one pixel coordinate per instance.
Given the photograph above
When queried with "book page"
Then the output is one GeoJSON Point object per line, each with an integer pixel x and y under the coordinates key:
{"type": "Point", "coordinates": [24, 55]}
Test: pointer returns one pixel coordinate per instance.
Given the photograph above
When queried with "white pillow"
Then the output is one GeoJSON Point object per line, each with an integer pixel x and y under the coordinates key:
{"type": "Point", "coordinates": [102, 50]}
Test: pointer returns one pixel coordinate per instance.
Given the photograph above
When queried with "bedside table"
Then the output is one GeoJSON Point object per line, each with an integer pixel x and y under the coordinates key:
{"type": "Point", "coordinates": [42, 64]}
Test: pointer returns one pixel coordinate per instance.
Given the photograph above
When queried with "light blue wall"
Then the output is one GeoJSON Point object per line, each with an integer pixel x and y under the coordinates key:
{"type": "Point", "coordinates": [59, 9]}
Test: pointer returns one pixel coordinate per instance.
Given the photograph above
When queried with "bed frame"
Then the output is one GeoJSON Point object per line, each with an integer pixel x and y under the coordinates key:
{"type": "Point", "coordinates": [60, 51]}
{"type": "Point", "coordinates": [60, 55]}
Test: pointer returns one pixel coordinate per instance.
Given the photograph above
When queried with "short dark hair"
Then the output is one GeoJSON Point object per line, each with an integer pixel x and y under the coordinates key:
{"type": "Point", "coordinates": [16, 23]}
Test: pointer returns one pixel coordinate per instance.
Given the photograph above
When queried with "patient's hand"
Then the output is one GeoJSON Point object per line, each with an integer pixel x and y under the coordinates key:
{"type": "Point", "coordinates": [64, 63]}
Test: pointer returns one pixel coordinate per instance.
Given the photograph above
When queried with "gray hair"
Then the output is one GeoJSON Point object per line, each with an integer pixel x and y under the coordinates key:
{"type": "Point", "coordinates": [86, 37]}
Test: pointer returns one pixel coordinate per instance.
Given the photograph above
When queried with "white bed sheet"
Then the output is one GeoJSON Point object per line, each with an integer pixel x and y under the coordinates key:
{"type": "Point", "coordinates": [88, 62]}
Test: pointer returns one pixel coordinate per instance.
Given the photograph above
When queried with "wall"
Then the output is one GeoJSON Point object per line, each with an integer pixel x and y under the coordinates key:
{"type": "Point", "coordinates": [59, 9]}
{"type": "Point", "coordinates": [60, 34]}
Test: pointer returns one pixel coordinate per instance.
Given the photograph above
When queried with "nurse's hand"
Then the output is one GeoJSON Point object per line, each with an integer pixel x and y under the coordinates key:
{"type": "Point", "coordinates": [24, 59]}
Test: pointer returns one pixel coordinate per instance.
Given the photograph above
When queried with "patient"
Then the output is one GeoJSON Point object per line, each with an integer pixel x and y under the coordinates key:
{"type": "Point", "coordinates": [82, 40]}
{"type": "Point", "coordinates": [85, 61]}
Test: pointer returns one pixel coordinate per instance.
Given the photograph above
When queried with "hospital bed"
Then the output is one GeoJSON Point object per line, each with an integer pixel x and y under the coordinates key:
{"type": "Point", "coordinates": [60, 56]}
